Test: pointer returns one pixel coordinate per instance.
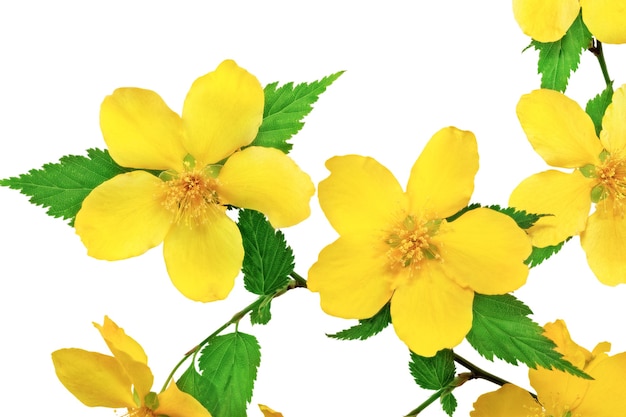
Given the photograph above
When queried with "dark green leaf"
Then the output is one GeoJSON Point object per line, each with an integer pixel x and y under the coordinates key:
{"type": "Point", "coordinates": [448, 403]}
{"type": "Point", "coordinates": [62, 186]}
{"type": "Point", "coordinates": [366, 327]}
{"type": "Point", "coordinates": [538, 255]}
{"type": "Point", "coordinates": [558, 59]}
{"type": "Point", "coordinates": [228, 366]}
{"type": "Point", "coordinates": [285, 107]}
{"type": "Point", "coordinates": [433, 372]}
{"type": "Point", "coordinates": [501, 328]}
{"type": "Point", "coordinates": [523, 219]}
{"type": "Point", "coordinates": [597, 106]}
{"type": "Point", "coordinates": [268, 260]}
{"type": "Point", "coordinates": [463, 211]}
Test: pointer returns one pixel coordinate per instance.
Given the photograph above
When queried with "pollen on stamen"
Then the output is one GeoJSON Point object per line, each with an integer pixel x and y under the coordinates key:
{"type": "Point", "coordinates": [612, 182]}
{"type": "Point", "coordinates": [190, 196]}
{"type": "Point", "coordinates": [410, 243]}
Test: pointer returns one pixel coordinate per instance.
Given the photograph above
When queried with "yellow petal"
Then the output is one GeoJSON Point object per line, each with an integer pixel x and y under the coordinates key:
{"type": "Point", "coordinates": [431, 312]}
{"type": "Point", "coordinates": [571, 351]}
{"type": "Point", "coordinates": [141, 131]}
{"type": "Point", "coordinates": [605, 19]}
{"type": "Point", "coordinates": [266, 180]}
{"type": "Point", "coordinates": [360, 195]}
{"type": "Point", "coordinates": [129, 353]}
{"type": "Point", "coordinates": [566, 196]}
{"type": "Point", "coordinates": [613, 135]}
{"type": "Point", "coordinates": [95, 379]}
{"type": "Point", "coordinates": [603, 241]}
{"type": "Point", "coordinates": [442, 179]}
{"type": "Point", "coordinates": [203, 260]}
{"type": "Point", "coordinates": [222, 112]}
{"type": "Point", "coordinates": [175, 403]}
{"type": "Point", "coordinates": [509, 400]}
{"type": "Point", "coordinates": [545, 20]}
{"type": "Point", "coordinates": [123, 217]}
{"type": "Point", "coordinates": [485, 250]}
{"type": "Point", "coordinates": [268, 412]}
{"type": "Point", "coordinates": [352, 277]}
{"type": "Point", "coordinates": [606, 396]}
{"type": "Point", "coordinates": [558, 129]}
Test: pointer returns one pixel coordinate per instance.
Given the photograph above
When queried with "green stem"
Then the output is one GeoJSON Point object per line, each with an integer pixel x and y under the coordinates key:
{"type": "Point", "coordinates": [426, 403]}
{"type": "Point", "coordinates": [596, 49]}
{"type": "Point", "coordinates": [297, 282]}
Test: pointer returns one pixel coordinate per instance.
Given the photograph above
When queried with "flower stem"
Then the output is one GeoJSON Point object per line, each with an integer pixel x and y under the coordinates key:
{"type": "Point", "coordinates": [478, 373]}
{"type": "Point", "coordinates": [296, 282]}
{"type": "Point", "coordinates": [596, 50]}
{"type": "Point", "coordinates": [426, 403]}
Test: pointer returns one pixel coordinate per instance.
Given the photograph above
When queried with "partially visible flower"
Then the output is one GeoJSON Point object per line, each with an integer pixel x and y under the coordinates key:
{"type": "Point", "coordinates": [560, 394]}
{"type": "Point", "coordinates": [268, 412]}
{"type": "Point", "coordinates": [564, 136]}
{"type": "Point", "coordinates": [203, 171]}
{"type": "Point", "coordinates": [398, 246]}
{"type": "Point", "coordinates": [548, 20]}
{"type": "Point", "coordinates": [123, 380]}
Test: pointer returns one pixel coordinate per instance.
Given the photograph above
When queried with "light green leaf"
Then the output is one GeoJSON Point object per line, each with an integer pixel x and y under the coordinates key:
{"type": "Point", "coordinates": [558, 59]}
{"type": "Point", "coordinates": [62, 186]}
{"type": "Point", "coordinates": [268, 260]}
{"type": "Point", "coordinates": [448, 403]}
{"type": "Point", "coordinates": [597, 106]}
{"type": "Point", "coordinates": [366, 327]}
{"type": "Point", "coordinates": [285, 107]}
{"type": "Point", "coordinates": [262, 314]}
{"type": "Point", "coordinates": [228, 366]}
{"type": "Point", "coordinates": [433, 372]}
{"type": "Point", "coordinates": [523, 219]}
{"type": "Point", "coordinates": [501, 328]}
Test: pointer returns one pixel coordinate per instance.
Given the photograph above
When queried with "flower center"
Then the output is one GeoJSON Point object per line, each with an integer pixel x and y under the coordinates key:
{"type": "Point", "coordinates": [191, 194]}
{"type": "Point", "coordinates": [140, 412]}
{"type": "Point", "coordinates": [611, 180]}
{"type": "Point", "coordinates": [410, 242]}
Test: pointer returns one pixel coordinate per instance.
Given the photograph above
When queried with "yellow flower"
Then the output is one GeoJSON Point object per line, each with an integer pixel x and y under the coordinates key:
{"type": "Point", "coordinates": [561, 394]}
{"type": "Point", "coordinates": [397, 245]}
{"type": "Point", "coordinates": [268, 412]}
{"type": "Point", "coordinates": [185, 208]}
{"type": "Point", "coordinates": [564, 135]}
{"type": "Point", "coordinates": [548, 20]}
{"type": "Point", "coordinates": [121, 380]}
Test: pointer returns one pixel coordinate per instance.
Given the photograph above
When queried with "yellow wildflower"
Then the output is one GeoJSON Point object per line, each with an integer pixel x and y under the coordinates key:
{"type": "Point", "coordinates": [203, 171]}
{"type": "Point", "coordinates": [398, 246]}
{"type": "Point", "coordinates": [121, 380]}
{"type": "Point", "coordinates": [548, 20]}
{"type": "Point", "coordinates": [560, 394]}
{"type": "Point", "coordinates": [268, 412]}
{"type": "Point", "coordinates": [564, 136]}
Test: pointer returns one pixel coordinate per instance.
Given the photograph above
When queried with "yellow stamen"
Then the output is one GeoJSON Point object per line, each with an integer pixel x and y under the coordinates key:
{"type": "Point", "coordinates": [190, 196]}
{"type": "Point", "coordinates": [410, 242]}
{"type": "Point", "coordinates": [611, 177]}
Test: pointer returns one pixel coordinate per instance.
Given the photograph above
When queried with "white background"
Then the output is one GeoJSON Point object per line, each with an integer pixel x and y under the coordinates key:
{"type": "Point", "coordinates": [412, 68]}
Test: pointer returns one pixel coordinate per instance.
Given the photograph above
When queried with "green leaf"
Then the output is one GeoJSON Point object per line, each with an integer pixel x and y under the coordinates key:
{"type": "Point", "coordinates": [62, 186]}
{"type": "Point", "coordinates": [433, 372]}
{"type": "Point", "coordinates": [538, 255]}
{"type": "Point", "coordinates": [501, 328]}
{"type": "Point", "coordinates": [448, 403]}
{"type": "Point", "coordinates": [366, 327]}
{"type": "Point", "coordinates": [597, 106]}
{"type": "Point", "coordinates": [285, 107]}
{"type": "Point", "coordinates": [523, 219]}
{"type": "Point", "coordinates": [268, 260]}
{"type": "Point", "coordinates": [228, 366]}
{"type": "Point", "coordinates": [558, 59]}
{"type": "Point", "coordinates": [262, 314]}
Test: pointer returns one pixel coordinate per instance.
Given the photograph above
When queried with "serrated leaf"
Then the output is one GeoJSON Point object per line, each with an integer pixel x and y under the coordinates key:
{"type": "Point", "coordinates": [501, 328]}
{"type": "Point", "coordinates": [462, 211]}
{"type": "Point", "coordinates": [448, 403]}
{"type": "Point", "coordinates": [262, 314]}
{"type": "Point", "coordinates": [366, 327]}
{"type": "Point", "coordinates": [523, 219]}
{"type": "Point", "coordinates": [268, 260]}
{"type": "Point", "coordinates": [538, 255]}
{"type": "Point", "coordinates": [433, 372]}
{"type": "Point", "coordinates": [596, 107]}
{"type": "Point", "coordinates": [285, 107]}
{"type": "Point", "coordinates": [228, 366]}
{"type": "Point", "coordinates": [61, 187]}
{"type": "Point", "coordinates": [557, 60]}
